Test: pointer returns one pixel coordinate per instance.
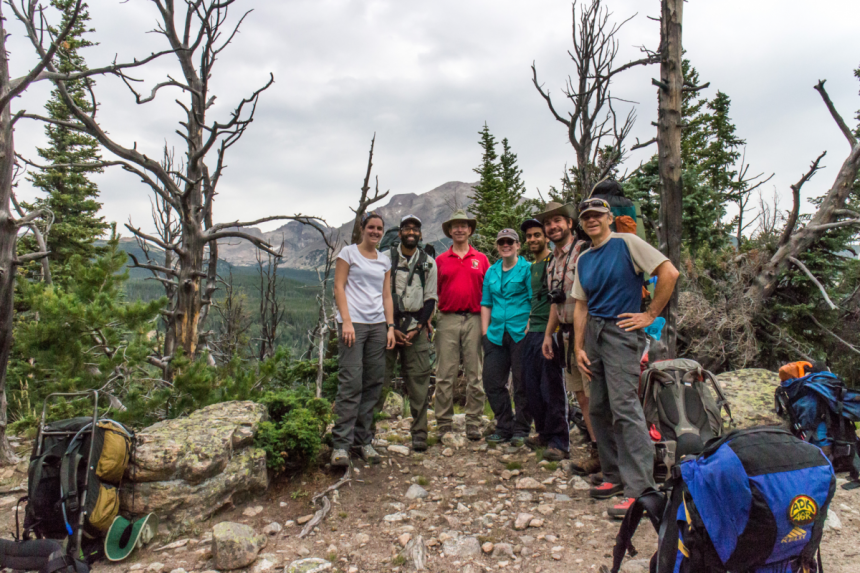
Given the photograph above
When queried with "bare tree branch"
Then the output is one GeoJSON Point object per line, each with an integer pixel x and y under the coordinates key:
{"type": "Point", "coordinates": [846, 131]}
{"type": "Point", "coordinates": [795, 193]}
{"type": "Point", "coordinates": [814, 280]}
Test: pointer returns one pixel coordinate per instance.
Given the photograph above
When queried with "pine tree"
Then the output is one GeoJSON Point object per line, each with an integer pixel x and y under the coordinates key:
{"type": "Point", "coordinates": [498, 201]}
{"type": "Point", "coordinates": [70, 195]}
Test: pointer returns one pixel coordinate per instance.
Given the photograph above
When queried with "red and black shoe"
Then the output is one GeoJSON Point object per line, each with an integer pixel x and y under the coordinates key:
{"type": "Point", "coordinates": [606, 490]}
{"type": "Point", "coordinates": [620, 510]}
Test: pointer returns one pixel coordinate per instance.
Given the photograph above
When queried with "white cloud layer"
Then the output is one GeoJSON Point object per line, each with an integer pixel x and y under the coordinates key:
{"type": "Point", "coordinates": [426, 76]}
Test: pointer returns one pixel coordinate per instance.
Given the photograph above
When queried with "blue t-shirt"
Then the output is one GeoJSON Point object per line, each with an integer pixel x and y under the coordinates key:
{"type": "Point", "coordinates": [610, 276]}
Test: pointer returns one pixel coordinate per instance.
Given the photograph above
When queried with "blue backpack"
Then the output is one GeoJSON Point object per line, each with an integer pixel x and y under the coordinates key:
{"type": "Point", "coordinates": [822, 411]}
{"type": "Point", "coordinates": [754, 501]}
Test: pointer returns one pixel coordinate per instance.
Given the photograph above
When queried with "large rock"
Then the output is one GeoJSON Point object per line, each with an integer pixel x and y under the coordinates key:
{"type": "Point", "coordinates": [235, 545]}
{"type": "Point", "coordinates": [185, 470]}
{"type": "Point", "coordinates": [750, 395]}
{"type": "Point", "coordinates": [393, 404]}
{"type": "Point", "coordinates": [195, 447]}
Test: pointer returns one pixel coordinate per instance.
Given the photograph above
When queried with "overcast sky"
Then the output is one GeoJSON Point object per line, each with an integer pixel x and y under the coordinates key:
{"type": "Point", "coordinates": [425, 76]}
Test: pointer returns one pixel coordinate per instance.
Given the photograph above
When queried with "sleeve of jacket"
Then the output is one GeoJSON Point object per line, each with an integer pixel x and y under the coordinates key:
{"type": "Point", "coordinates": [431, 282]}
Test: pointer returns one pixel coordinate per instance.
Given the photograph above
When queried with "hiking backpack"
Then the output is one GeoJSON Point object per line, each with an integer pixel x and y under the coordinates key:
{"type": "Point", "coordinates": [754, 501]}
{"type": "Point", "coordinates": [42, 555]}
{"type": "Point", "coordinates": [75, 472]}
{"type": "Point", "coordinates": [682, 403]}
{"type": "Point", "coordinates": [821, 410]}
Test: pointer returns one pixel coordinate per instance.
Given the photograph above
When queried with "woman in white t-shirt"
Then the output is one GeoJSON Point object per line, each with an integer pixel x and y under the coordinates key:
{"type": "Point", "coordinates": [365, 317]}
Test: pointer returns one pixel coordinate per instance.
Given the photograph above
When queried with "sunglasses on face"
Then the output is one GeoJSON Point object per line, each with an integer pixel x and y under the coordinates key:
{"type": "Point", "coordinates": [505, 242]}
{"type": "Point", "coordinates": [414, 230]}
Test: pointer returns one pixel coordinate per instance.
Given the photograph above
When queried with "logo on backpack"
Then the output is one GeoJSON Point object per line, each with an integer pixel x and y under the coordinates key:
{"type": "Point", "coordinates": [802, 511]}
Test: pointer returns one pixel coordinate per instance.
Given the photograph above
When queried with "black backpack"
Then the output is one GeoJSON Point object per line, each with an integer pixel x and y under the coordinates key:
{"type": "Point", "coordinates": [753, 501]}
{"type": "Point", "coordinates": [75, 472]}
{"type": "Point", "coordinates": [42, 555]}
{"type": "Point", "coordinates": [682, 403]}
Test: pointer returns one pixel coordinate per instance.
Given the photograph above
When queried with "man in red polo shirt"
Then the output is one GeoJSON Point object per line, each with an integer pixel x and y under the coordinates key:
{"type": "Point", "coordinates": [460, 284]}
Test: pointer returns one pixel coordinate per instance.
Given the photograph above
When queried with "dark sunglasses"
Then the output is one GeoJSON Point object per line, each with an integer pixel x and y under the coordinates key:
{"type": "Point", "coordinates": [505, 242]}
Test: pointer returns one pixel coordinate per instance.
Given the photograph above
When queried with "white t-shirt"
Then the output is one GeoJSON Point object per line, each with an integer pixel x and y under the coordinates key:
{"type": "Point", "coordinates": [364, 285]}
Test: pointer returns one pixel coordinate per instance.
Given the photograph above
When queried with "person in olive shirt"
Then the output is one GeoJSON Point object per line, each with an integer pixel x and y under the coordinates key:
{"type": "Point", "coordinates": [543, 378]}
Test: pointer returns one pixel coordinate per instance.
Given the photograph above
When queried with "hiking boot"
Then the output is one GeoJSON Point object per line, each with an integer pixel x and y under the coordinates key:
{"type": "Point", "coordinates": [340, 458]}
{"type": "Point", "coordinates": [596, 479]}
{"type": "Point", "coordinates": [554, 455]}
{"type": "Point", "coordinates": [518, 441]}
{"type": "Point", "coordinates": [535, 442]}
{"type": "Point", "coordinates": [473, 433]}
{"type": "Point", "coordinates": [368, 454]}
{"type": "Point", "coordinates": [606, 490]}
{"type": "Point", "coordinates": [419, 445]}
{"type": "Point", "coordinates": [589, 466]}
{"type": "Point", "coordinates": [497, 439]}
{"type": "Point", "coordinates": [620, 510]}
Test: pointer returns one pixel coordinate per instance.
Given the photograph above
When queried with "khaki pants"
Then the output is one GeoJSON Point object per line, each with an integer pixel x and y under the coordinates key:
{"type": "Point", "coordinates": [572, 376]}
{"type": "Point", "coordinates": [415, 370]}
{"type": "Point", "coordinates": [458, 336]}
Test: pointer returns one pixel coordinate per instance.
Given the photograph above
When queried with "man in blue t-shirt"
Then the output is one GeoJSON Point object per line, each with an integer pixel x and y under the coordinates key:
{"type": "Point", "coordinates": [607, 323]}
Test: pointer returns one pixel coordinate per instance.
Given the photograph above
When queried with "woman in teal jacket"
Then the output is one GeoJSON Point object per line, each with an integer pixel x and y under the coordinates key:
{"type": "Point", "coordinates": [505, 308]}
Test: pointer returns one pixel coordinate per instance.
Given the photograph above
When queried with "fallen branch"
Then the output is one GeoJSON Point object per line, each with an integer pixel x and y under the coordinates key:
{"type": "Point", "coordinates": [809, 274]}
{"type": "Point", "coordinates": [847, 344]}
{"type": "Point", "coordinates": [323, 511]}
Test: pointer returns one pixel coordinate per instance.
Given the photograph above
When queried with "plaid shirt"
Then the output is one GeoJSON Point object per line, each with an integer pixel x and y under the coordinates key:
{"type": "Point", "coordinates": [554, 276]}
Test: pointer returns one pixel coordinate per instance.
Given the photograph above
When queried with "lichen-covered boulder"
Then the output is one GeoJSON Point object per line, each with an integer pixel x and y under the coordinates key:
{"type": "Point", "coordinates": [235, 545]}
{"type": "Point", "coordinates": [195, 447]}
{"type": "Point", "coordinates": [393, 404]}
{"type": "Point", "coordinates": [186, 469]}
{"type": "Point", "coordinates": [750, 394]}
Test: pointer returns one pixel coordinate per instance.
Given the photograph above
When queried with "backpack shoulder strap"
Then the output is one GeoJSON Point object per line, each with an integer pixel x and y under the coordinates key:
{"type": "Point", "coordinates": [394, 253]}
{"type": "Point", "coordinates": [654, 503]}
{"type": "Point", "coordinates": [422, 263]}
{"type": "Point", "coordinates": [722, 402]}
{"type": "Point", "coordinates": [69, 476]}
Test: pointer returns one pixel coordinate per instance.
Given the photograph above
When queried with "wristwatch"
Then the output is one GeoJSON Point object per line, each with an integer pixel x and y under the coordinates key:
{"type": "Point", "coordinates": [391, 325]}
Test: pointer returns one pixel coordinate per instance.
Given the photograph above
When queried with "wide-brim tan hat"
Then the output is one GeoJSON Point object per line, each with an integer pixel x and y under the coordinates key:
{"type": "Point", "coordinates": [459, 216]}
{"type": "Point", "coordinates": [553, 209]}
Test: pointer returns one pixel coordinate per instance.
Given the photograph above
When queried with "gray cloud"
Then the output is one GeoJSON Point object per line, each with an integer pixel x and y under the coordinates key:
{"type": "Point", "coordinates": [425, 77]}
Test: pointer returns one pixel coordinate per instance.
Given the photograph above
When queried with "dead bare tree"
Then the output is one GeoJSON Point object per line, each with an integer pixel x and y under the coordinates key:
{"type": "Point", "coordinates": [235, 321]}
{"type": "Point", "coordinates": [272, 310]}
{"type": "Point", "coordinates": [831, 214]}
{"type": "Point", "coordinates": [596, 132]}
{"type": "Point", "coordinates": [670, 99]}
{"type": "Point", "coordinates": [364, 202]}
{"type": "Point", "coordinates": [197, 36]}
{"type": "Point", "coordinates": [745, 186]}
{"type": "Point", "coordinates": [325, 320]}
{"type": "Point", "coordinates": [45, 39]}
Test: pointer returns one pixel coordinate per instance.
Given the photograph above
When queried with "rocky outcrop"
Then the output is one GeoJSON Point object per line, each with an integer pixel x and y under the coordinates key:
{"type": "Point", "coordinates": [750, 395]}
{"type": "Point", "coordinates": [186, 469]}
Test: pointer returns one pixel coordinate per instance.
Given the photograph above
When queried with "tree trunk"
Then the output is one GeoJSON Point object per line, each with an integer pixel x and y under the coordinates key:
{"type": "Point", "coordinates": [669, 149]}
{"type": "Point", "coordinates": [8, 240]}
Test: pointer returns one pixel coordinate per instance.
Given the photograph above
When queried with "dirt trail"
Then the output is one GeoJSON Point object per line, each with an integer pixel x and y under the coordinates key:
{"type": "Point", "coordinates": [473, 499]}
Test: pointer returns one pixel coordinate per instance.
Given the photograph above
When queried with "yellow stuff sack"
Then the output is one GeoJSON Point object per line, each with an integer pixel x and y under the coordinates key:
{"type": "Point", "coordinates": [105, 509]}
{"type": "Point", "coordinates": [115, 452]}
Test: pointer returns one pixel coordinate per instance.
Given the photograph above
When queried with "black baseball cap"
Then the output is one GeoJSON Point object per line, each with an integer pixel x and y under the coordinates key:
{"type": "Point", "coordinates": [530, 223]}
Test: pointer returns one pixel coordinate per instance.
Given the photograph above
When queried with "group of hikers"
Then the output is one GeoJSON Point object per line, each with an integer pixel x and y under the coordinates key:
{"type": "Point", "coordinates": [570, 321]}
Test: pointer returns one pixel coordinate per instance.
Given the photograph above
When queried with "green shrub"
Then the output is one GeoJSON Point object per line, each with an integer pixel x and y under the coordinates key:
{"type": "Point", "coordinates": [293, 436]}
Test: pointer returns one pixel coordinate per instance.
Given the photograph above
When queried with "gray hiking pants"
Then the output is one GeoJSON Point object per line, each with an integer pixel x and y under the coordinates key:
{"type": "Point", "coordinates": [361, 370]}
{"type": "Point", "coordinates": [625, 449]}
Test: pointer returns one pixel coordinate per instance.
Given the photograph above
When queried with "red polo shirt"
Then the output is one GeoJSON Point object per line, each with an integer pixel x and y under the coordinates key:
{"type": "Point", "coordinates": [461, 280]}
